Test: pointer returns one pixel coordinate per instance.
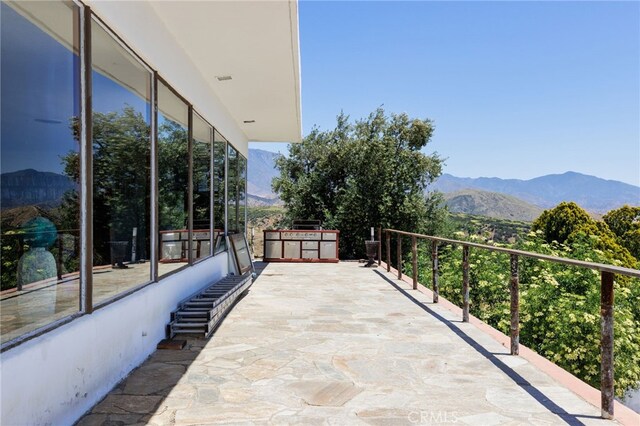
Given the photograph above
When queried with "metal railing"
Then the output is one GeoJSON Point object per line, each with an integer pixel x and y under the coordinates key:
{"type": "Point", "coordinates": [607, 273]}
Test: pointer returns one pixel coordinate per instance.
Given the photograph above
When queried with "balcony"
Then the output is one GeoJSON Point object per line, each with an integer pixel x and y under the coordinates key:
{"type": "Point", "coordinates": [344, 344]}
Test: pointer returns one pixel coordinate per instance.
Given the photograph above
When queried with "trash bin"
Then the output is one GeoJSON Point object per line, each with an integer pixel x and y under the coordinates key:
{"type": "Point", "coordinates": [372, 251]}
{"type": "Point", "coordinates": [118, 253]}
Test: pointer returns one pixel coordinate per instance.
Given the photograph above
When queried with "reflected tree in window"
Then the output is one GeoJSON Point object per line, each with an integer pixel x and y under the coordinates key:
{"type": "Point", "coordinates": [232, 191]}
{"type": "Point", "coordinates": [219, 180]}
{"type": "Point", "coordinates": [121, 158]}
{"type": "Point", "coordinates": [242, 192]}
{"type": "Point", "coordinates": [201, 151]}
{"type": "Point", "coordinates": [173, 183]}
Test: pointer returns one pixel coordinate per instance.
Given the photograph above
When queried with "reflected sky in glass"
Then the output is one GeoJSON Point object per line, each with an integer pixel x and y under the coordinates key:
{"type": "Point", "coordinates": [38, 61]}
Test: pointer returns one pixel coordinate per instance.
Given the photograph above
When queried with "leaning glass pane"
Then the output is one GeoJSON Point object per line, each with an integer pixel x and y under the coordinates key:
{"type": "Point", "coordinates": [173, 180]}
{"type": "Point", "coordinates": [202, 138]}
{"type": "Point", "coordinates": [40, 236]}
{"type": "Point", "coordinates": [121, 168]}
{"type": "Point", "coordinates": [219, 181]}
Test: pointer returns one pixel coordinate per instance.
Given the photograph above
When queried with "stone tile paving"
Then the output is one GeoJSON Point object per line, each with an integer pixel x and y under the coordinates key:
{"type": "Point", "coordinates": [339, 345]}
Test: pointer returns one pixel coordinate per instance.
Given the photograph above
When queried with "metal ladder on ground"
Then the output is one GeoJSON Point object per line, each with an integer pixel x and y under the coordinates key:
{"type": "Point", "coordinates": [202, 313]}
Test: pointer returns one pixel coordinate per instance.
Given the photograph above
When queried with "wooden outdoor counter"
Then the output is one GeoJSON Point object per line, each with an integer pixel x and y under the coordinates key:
{"type": "Point", "coordinates": [283, 245]}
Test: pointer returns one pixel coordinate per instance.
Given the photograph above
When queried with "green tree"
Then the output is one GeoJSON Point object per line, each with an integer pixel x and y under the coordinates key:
{"type": "Point", "coordinates": [560, 222]}
{"type": "Point", "coordinates": [369, 173]}
{"type": "Point", "coordinates": [567, 223]}
{"type": "Point", "coordinates": [121, 186]}
{"type": "Point", "coordinates": [173, 175]}
{"type": "Point", "coordinates": [625, 224]}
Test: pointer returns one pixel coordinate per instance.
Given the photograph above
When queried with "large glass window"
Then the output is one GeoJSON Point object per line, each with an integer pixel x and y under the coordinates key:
{"type": "Point", "coordinates": [232, 190]}
{"type": "Point", "coordinates": [173, 180]}
{"type": "Point", "coordinates": [242, 193]}
{"type": "Point", "coordinates": [219, 197]}
{"type": "Point", "coordinates": [202, 150]}
{"type": "Point", "coordinates": [40, 245]}
{"type": "Point", "coordinates": [121, 167]}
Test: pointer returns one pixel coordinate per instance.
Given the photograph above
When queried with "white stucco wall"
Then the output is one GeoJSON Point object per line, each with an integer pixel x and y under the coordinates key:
{"type": "Point", "coordinates": [55, 378]}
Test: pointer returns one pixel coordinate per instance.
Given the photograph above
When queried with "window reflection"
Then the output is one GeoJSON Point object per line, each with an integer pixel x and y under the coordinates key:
{"type": "Point", "coordinates": [202, 141]}
{"type": "Point", "coordinates": [232, 191]}
{"type": "Point", "coordinates": [39, 228]}
{"type": "Point", "coordinates": [219, 181]}
{"type": "Point", "coordinates": [173, 180]}
{"type": "Point", "coordinates": [121, 167]}
{"type": "Point", "coordinates": [242, 193]}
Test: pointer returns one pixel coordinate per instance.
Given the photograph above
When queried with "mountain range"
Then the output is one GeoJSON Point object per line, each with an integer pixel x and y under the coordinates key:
{"type": "Point", "coordinates": [33, 188]}
{"type": "Point", "coordinates": [261, 171]}
{"type": "Point", "coordinates": [513, 199]}
{"type": "Point", "coordinates": [591, 193]}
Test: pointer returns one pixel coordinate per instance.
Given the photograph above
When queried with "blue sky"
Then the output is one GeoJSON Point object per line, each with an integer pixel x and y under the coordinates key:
{"type": "Point", "coordinates": [516, 89]}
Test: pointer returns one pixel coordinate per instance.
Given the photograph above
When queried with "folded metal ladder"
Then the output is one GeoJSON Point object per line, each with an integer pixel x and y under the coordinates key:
{"type": "Point", "coordinates": [202, 313]}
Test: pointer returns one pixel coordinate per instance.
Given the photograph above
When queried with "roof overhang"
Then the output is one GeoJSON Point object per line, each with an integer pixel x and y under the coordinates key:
{"type": "Point", "coordinates": [256, 44]}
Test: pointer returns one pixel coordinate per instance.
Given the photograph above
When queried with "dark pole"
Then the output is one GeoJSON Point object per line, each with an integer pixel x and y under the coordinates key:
{"type": "Point", "coordinates": [399, 244]}
{"type": "Point", "coordinates": [465, 283]}
{"type": "Point", "coordinates": [379, 245]}
{"type": "Point", "coordinates": [434, 270]}
{"type": "Point", "coordinates": [515, 306]}
{"type": "Point", "coordinates": [388, 247]}
{"type": "Point", "coordinates": [606, 344]}
{"type": "Point", "coordinates": [414, 260]}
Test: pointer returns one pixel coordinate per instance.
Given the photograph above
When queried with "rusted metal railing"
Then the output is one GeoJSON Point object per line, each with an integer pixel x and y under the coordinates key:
{"type": "Point", "coordinates": [607, 274]}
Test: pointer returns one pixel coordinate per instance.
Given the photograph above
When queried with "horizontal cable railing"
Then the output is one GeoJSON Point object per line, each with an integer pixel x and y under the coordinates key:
{"type": "Point", "coordinates": [607, 273]}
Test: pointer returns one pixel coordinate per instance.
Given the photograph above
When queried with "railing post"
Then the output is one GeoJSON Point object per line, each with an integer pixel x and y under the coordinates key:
{"type": "Point", "coordinates": [515, 306]}
{"type": "Point", "coordinates": [606, 344]}
{"type": "Point", "coordinates": [388, 247]}
{"type": "Point", "coordinates": [379, 245]}
{"type": "Point", "coordinates": [434, 270]}
{"type": "Point", "coordinates": [414, 260]}
{"type": "Point", "coordinates": [399, 250]}
{"type": "Point", "coordinates": [465, 283]}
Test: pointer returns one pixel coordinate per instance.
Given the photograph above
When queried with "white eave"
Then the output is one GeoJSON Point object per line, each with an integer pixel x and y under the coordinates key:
{"type": "Point", "coordinates": [256, 44]}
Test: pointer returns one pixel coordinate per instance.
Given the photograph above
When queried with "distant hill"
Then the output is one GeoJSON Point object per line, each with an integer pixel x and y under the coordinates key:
{"type": "Point", "coordinates": [590, 192]}
{"type": "Point", "coordinates": [491, 204]}
{"type": "Point", "coordinates": [255, 201]}
{"type": "Point", "coordinates": [33, 188]}
{"type": "Point", "coordinates": [261, 172]}
{"type": "Point", "coordinates": [17, 216]}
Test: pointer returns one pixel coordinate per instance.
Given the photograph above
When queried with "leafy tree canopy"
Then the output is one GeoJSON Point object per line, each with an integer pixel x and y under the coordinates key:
{"type": "Point", "coordinates": [568, 223]}
{"type": "Point", "coordinates": [370, 173]}
{"type": "Point", "coordinates": [560, 222]}
{"type": "Point", "coordinates": [625, 223]}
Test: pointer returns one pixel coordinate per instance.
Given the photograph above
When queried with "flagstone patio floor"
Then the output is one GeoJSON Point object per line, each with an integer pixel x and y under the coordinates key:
{"type": "Point", "coordinates": [340, 344]}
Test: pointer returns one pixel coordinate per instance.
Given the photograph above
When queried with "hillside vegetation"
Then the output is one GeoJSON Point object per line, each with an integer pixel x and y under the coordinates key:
{"type": "Point", "coordinates": [560, 305]}
{"type": "Point", "coordinates": [491, 204]}
{"type": "Point", "coordinates": [489, 229]}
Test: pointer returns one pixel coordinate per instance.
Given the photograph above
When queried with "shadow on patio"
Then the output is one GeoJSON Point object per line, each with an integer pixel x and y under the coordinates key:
{"type": "Point", "coordinates": [340, 344]}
